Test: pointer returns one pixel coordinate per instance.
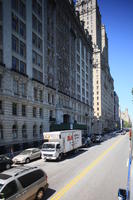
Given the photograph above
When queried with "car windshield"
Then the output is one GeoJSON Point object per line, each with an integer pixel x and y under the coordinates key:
{"type": "Point", "coordinates": [48, 146]}
{"type": "Point", "coordinates": [25, 152]}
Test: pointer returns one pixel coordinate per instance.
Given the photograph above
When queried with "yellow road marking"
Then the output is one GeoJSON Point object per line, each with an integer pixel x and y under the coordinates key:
{"type": "Point", "coordinates": [73, 182]}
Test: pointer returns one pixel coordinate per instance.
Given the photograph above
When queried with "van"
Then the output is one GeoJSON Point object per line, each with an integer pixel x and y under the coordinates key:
{"type": "Point", "coordinates": [23, 183]}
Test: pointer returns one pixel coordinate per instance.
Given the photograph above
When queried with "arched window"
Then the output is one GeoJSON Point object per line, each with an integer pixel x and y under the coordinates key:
{"type": "Point", "coordinates": [24, 131]}
{"type": "Point", "coordinates": [34, 130]}
{"type": "Point", "coordinates": [15, 131]}
{"type": "Point", "coordinates": [41, 129]}
{"type": "Point", "coordinates": [1, 132]}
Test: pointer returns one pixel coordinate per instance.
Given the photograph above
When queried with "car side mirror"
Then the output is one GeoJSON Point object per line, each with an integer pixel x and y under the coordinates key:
{"type": "Point", "coordinates": [2, 196]}
{"type": "Point", "coordinates": [122, 194]}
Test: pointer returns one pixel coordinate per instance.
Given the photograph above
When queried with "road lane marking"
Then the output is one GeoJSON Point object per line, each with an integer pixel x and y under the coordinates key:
{"type": "Point", "coordinates": [74, 181]}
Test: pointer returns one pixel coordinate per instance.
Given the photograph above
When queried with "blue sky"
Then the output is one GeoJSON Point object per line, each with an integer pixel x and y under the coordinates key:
{"type": "Point", "coordinates": [117, 15]}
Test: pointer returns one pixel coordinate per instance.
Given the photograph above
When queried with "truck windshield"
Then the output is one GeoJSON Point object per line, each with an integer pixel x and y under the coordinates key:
{"type": "Point", "coordinates": [48, 146]}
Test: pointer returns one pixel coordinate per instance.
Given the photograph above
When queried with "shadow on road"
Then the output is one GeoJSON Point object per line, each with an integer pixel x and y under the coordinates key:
{"type": "Point", "coordinates": [49, 193]}
{"type": "Point", "coordinates": [71, 155]}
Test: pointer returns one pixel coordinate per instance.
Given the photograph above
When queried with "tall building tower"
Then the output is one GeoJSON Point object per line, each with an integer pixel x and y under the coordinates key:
{"type": "Point", "coordinates": [90, 15]}
{"type": "Point", "coordinates": [102, 81]}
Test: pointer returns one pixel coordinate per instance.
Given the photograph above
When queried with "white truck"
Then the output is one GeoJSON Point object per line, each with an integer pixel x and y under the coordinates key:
{"type": "Point", "coordinates": [60, 143]}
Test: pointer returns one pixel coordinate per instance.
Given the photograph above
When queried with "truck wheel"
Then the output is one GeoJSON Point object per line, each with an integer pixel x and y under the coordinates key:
{"type": "Point", "coordinates": [60, 157]}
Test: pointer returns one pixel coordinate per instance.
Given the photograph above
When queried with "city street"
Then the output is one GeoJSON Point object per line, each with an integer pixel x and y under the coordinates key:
{"type": "Point", "coordinates": [92, 173]}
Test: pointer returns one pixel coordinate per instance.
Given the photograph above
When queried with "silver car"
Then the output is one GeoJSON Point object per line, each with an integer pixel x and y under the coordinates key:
{"type": "Point", "coordinates": [23, 183]}
{"type": "Point", "coordinates": [27, 155]}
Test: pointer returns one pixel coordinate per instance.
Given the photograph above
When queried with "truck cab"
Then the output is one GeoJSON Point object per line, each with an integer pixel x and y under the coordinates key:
{"type": "Point", "coordinates": [51, 150]}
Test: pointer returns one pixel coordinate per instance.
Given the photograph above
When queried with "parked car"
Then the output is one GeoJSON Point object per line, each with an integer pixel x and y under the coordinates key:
{"type": "Point", "coordinates": [123, 132]}
{"type": "Point", "coordinates": [22, 182]}
{"type": "Point", "coordinates": [27, 155]}
{"type": "Point", "coordinates": [5, 162]}
{"type": "Point", "coordinates": [86, 141]}
{"type": "Point", "coordinates": [98, 138]}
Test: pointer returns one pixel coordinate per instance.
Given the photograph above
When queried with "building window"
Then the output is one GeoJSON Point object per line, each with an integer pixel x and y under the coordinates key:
{"type": "Point", "coordinates": [1, 56]}
{"type": "Point", "coordinates": [41, 95]}
{"type": "Point", "coordinates": [35, 94]}
{"type": "Point", "coordinates": [37, 75]}
{"type": "Point", "coordinates": [15, 63]}
{"type": "Point", "coordinates": [34, 39]}
{"type": "Point", "coordinates": [39, 44]}
{"type": "Point", "coordinates": [0, 81]}
{"type": "Point", "coordinates": [24, 89]}
{"type": "Point", "coordinates": [39, 61]}
{"type": "Point", "coordinates": [24, 110]}
{"type": "Point", "coordinates": [0, 11]}
{"type": "Point", "coordinates": [22, 29]}
{"type": "Point", "coordinates": [15, 5]}
{"type": "Point", "coordinates": [15, 23]}
{"type": "Point", "coordinates": [15, 131]}
{"type": "Point", "coordinates": [24, 131]}
{"type": "Point", "coordinates": [22, 67]}
{"type": "Point", "coordinates": [34, 111]}
{"type": "Point", "coordinates": [52, 99]}
{"type": "Point", "coordinates": [34, 57]}
{"type": "Point", "coordinates": [22, 49]}
{"type": "Point", "coordinates": [34, 130]}
{"type": "Point", "coordinates": [41, 113]}
{"type": "Point", "coordinates": [34, 22]}
{"type": "Point", "coordinates": [16, 87]}
{"type": "Point", "coordinates": [1, 132]}
{"type": "Point", "coordinates": [49, 98]}
{"type": "Point", "coordinates": [15, 44]}
{"type": "Point", "coordinates": [22, 9]}
{"type": "Point", "coordinates": [39, 28]}
{"type": "Point", "coordinates": [41, 129]}
{"type": "Point", "coordinates": [1, 38]}
{"type": "Point", "coordinates": [0, 107]}
{"type": "Point", "coordinates": [14, 108]}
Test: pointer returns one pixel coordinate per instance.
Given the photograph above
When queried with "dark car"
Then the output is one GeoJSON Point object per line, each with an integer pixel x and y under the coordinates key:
{"type": "Point", "coordinates": [86, 142]}
{"type": "Point", "coordinates": [5, 162]}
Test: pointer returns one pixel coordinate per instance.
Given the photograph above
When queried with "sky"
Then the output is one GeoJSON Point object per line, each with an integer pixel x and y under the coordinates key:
{"type": "Point", "coordinates": [117, 16]}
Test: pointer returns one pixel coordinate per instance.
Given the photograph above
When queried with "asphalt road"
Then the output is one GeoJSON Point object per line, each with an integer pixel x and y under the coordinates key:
{"type": "Point", "coordinates": [94, 173]}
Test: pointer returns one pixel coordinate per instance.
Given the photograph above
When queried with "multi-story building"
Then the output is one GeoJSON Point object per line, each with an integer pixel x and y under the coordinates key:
{"type": "Point", "coordinates": [103, 85]}
{"type": "Point", "coordinates": [124, 116]}
{"type": "Point", "coordinates": [116, 111]}
{"type": "Point", "coordinates": [45, 55]}
{"type": "Point", "coordinates": [69, 48]}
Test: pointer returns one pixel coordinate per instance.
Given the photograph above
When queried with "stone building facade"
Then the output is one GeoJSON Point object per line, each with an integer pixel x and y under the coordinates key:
{"type": "Point", "coordinates": [116, 111]}
{"type": "Point", "coordinates": [45, 71]}
{"type": "Point", "coordinates": [103, 84]}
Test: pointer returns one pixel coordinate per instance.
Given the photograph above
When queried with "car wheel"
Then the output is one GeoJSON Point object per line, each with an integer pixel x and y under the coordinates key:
{"type": "Point", "coordinates": [40, 194]}
{"type": "Point", "coordinates": [27, 160]}
{"type": "Point", "coordinates": [8, 166]}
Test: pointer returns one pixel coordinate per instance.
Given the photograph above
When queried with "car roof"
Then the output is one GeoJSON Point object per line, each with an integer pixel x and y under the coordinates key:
{"type": "Point", "coordinates": [16, 170]}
